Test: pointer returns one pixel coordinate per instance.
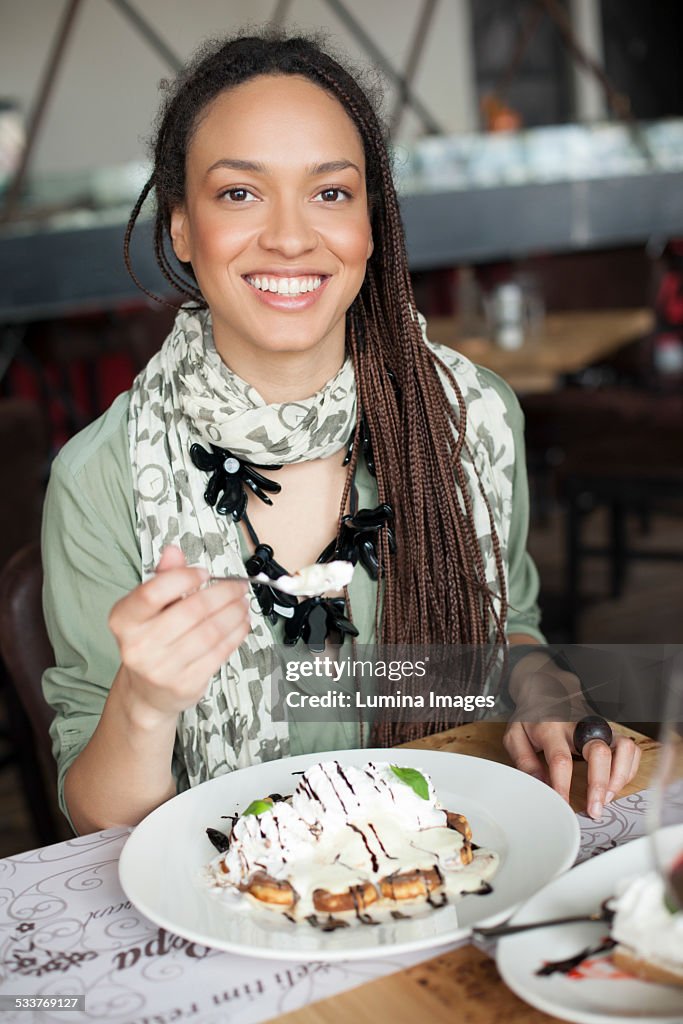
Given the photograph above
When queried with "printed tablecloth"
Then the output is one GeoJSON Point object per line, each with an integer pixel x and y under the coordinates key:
{"type": "Point", "coordinates": [66, 928]}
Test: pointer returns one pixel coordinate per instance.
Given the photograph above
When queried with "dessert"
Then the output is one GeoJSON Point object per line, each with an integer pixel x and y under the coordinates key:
{"type": "Point", "coordinates": [648, 935]}
{"type": "Point", "coordinates": [351, 839]}
{"type": "Point", "coordinates": [312, 580]}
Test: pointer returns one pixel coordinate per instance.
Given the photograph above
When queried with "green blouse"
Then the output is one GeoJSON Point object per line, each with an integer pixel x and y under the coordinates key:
{"type": "Point", "coordinates": [91, 559]}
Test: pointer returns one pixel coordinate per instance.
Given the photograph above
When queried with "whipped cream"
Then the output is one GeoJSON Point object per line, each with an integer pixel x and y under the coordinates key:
{"type": "Point", "coordinates": [346, 826]}
{"type": "Point", "coordinates": [643, 924]}
{"type": "Point", "coordinates": [312, 580]}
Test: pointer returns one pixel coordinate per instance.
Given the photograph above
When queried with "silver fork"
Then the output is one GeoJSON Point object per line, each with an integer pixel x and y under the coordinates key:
{"type": "Point", "coordinates": [246, 579]}
{"type": "Point", "coordinates": [499, 930]}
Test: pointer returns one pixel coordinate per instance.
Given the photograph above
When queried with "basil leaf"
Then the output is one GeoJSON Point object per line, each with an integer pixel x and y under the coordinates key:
{"type": "Point", "coordinates": [258, 807]}
{"type": "Point", "coordinates": [412, 778]}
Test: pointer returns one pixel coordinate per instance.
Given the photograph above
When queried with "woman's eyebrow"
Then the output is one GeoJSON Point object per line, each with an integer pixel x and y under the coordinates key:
{"type": "Point", "coordinates": [332, 166]}
{"type": "Point", "coordinates": [238, 165]}
{"type": "Point", "coordinates": [329, 167]}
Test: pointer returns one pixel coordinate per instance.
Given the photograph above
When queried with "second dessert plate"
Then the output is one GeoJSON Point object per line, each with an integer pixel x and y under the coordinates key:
{"type": "Point", "coordinates": [596, 992]}
{"type": "Point", "coordinates": [161, 869]}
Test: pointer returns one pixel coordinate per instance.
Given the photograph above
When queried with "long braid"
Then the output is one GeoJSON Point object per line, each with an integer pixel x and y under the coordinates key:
{"type": "Point", "coordinates": [169, 272]}
{"type": "Point", "coordinates": [132, 221]}
{"type": "Point", "coordinates": [403, 292]}
{"type": "Point", "coordinates": [181, 284]}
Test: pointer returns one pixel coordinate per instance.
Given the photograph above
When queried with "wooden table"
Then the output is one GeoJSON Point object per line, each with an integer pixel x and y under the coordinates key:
{"type": "Point", "coordinates": [463, 985]}
{"type": "Point", "coordinates": [566, 343]}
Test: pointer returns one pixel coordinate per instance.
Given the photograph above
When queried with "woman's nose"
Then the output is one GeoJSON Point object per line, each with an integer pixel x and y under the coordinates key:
{"type": "Point", "coordinates": [288, 230]}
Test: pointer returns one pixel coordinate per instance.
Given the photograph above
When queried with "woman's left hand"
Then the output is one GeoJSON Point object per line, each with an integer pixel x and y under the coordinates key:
{"type": "Point", "coordinates": [609, 768]}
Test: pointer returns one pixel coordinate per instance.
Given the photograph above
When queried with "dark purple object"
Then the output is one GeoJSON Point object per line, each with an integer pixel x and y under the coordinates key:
{"type": "Point", "coordinates": [593, 727]}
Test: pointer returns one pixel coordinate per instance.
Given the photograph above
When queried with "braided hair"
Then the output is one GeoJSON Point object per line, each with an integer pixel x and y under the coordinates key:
{"type": "Point", "coordinates": [435, 591]}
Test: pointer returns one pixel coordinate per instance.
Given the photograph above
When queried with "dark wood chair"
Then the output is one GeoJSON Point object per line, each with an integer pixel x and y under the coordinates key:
{"type": "Point", "coordinates": [23, 471]}
{"type": "Point", "coordinates": [634, 472]}
{"type": "Point", "coordinates": [26, 653]}
{"type": "Point", "coordinates": [617, 448]}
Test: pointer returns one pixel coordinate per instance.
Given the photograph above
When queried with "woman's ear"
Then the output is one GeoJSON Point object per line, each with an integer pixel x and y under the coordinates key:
{"type": "Point", "coordinates": [371, 247]}
{"type": "Point", "coordinates": [180, 234]}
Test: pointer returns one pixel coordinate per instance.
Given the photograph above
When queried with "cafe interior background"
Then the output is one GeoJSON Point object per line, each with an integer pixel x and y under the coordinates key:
{"type": "Point", "coordinates": [538, 149]}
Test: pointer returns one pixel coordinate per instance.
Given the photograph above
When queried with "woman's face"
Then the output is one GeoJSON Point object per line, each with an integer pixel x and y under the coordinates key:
{"type": "Point", "coordinates": [275, 221]}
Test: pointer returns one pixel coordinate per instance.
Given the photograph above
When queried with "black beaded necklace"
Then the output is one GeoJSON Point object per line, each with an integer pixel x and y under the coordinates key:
{"type": "Point", "coordinates": [314, 620]}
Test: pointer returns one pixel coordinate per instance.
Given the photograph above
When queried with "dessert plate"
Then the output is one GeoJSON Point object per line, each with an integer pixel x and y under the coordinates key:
{"type": "Point", "coordinates": [602, 995]}
{"type": "Point", "coordinates": [533, 830]}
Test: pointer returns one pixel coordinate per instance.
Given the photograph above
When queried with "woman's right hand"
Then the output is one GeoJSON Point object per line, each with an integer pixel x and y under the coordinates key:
{"type": "Point", "coordinates": [173, 636]}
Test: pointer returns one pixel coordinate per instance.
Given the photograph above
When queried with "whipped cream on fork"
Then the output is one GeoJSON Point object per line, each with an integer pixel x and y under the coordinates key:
{"type": "Point", "coordinates": [312, 580]}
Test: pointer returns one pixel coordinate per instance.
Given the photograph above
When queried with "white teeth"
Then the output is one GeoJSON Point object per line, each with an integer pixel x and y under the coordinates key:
{"type": "Point", "coordinates": [285, 285]}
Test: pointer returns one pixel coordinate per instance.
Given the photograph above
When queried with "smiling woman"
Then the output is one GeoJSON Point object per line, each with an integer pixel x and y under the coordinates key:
{"type": "Point", "coordinates": [296, 413]}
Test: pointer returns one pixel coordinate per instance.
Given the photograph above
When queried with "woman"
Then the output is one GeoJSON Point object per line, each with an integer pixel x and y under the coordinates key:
{"type": "Point", "coordinates": [274, 189]}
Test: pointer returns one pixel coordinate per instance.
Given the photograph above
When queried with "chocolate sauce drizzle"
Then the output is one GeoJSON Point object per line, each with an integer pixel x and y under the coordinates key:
{"type": "Point", "coordinates": [332, 923]}
{"type": "Point", "coordinates": [568, 965]}
{"type": "Point", "coordinates": [219, 839]}
{"type": "Point", "coordinates": [374, 781]}
{"type": "Point", "coordinates": [339, 797]}
{"type": "Point", "coordinates": [309, 789]}
{"type": "Point", "coordinates": [373, 856]}
{"type": "Point", "coordinates": [279, 834]}
{"type": "Point", "coordinates": [384, 851]}
{"type": "Point", "coordinates": [341, 772]}
{"type": "Point", "coordinates": [483, 890]}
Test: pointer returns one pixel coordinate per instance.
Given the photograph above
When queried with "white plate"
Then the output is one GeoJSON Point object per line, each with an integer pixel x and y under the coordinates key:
{"type": "Point", "coordinates": [589, 1000]}
{"type": "Point", "coordinates": [530, 826]}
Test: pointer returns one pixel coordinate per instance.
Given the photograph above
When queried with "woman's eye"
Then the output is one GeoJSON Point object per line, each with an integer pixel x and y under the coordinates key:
{"type": "Point", "coordinates": [237, 195]}
{"type": "Point", "coordinates": [333, 195]}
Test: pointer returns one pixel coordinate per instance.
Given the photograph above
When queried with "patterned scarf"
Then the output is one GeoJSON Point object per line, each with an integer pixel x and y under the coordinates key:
{"type": "Point", "coordinates": [187, 394]}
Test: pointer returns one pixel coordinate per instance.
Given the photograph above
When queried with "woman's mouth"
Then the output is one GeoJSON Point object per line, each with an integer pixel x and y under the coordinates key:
{"type": "Point", "coordinates": [292, 293]}
{"type": "Point", "coordinates": [285, 286]}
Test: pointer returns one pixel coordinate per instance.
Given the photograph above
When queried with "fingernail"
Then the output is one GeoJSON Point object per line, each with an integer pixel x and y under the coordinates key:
{"type": "Point", "coordinates": [595, 810]}
{"type": "Point", "coordinates": [609, 796]}
{"type": "Point", "coordinates": [204, 573]}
